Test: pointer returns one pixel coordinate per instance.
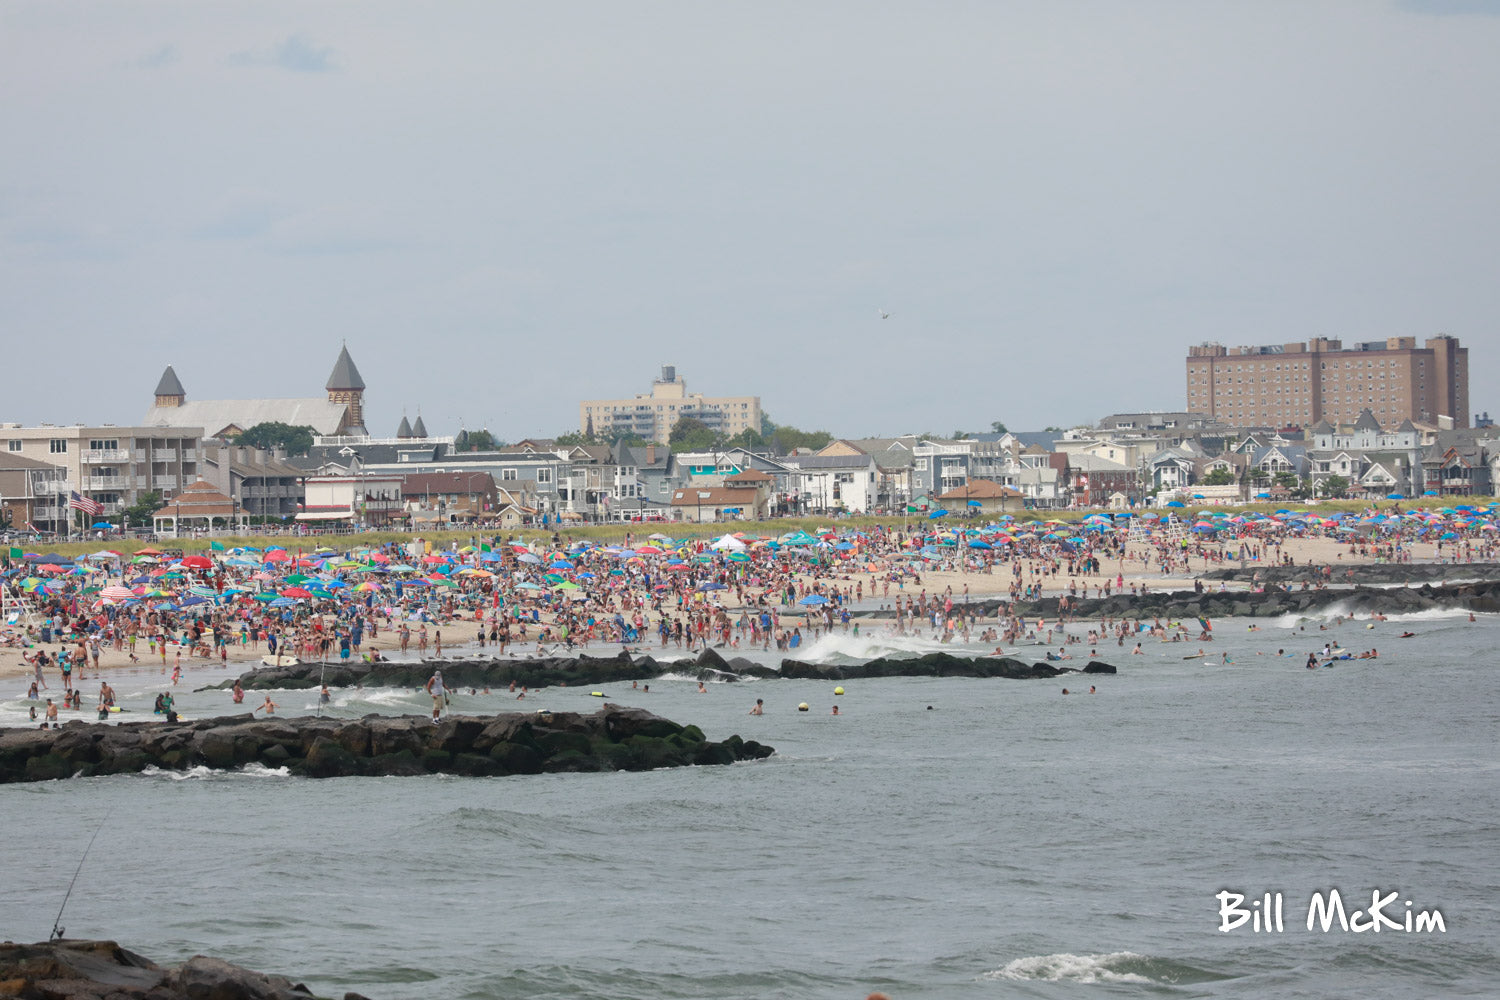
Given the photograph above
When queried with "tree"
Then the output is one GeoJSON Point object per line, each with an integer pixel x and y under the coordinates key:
{"type": "Point", "coordinates": [749, 439]}
{"type": "Point", "coordinates": [482, 441]}
{"type": "Point", "coordinates": [1219, 477]}
{"type": "Point", "coordinates": [1259, 476]}
{"type": "Point", "coordinates": [691, 434]}
{"type": "Point", "coordinates": [1335, 486]}
{"type": "Point", "coordinates": [784, 439]}
{"type": "Point", "coordinates": [275, 434]}
{"type": "Point", "coordinates": [572, 438]}
{"type": "Point", "coordinates": [999, 427]}
{"type": "Point", "coordinates": [138, 514]}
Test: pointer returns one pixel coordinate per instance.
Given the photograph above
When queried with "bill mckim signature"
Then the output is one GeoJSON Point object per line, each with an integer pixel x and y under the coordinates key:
{"type": "Point", "coordinates": [1328, 912]}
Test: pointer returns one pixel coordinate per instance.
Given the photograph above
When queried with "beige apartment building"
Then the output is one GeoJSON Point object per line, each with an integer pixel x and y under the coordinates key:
{"type": "Point", "coordinates": [1283, 385]}
{"type": "Point", "coordinates": [112, 465]}
{"type": "Point", "coordinates": [651, 415]}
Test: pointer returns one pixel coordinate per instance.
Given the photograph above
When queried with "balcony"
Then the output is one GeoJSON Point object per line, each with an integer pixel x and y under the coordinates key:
{"type": "Point", "coordinates": [102, 456]}
{"type": "Point", "coordinates": [48, 513]}
{"type": "Point", "coordinates": [163, 482]}
{"type": "Point", "coordinates": [105, 482]}
{"type": "Point", "coordinates": [48, 487]}
{"type": "Point", "coordinates": [164, 454]}
{"type": "Point", "coordinates": [190, 455]}
{"type": "Point", "coordinates": [114, 507]}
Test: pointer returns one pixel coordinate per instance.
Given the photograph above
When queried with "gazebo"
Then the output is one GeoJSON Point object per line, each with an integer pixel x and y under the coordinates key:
{"type": "Point", "coordinates": [198, 506]}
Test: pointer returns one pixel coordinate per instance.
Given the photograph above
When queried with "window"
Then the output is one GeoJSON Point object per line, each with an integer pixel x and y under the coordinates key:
{"type": "Point", "coordinates": [104, 445]}
{"type": "Point", "coordinates": [544, 475]}
{"type": "Point", "coordinates": [58, 446]}
{"type": "Point", "coordinates": [15, 445]}
{"type": "Point", "coordinates": [508, 475]}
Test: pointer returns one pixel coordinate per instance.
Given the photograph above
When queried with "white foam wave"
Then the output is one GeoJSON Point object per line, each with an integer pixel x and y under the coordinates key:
{"type": "Point", "coordinates": [1073, 968]}
{"type": "Point", "coordinates": [868, 646]}
{"type": "Point", "coordinates": [202, 771]}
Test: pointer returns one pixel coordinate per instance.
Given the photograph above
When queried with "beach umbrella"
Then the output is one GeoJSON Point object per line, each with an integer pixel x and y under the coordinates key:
{"type": "Point", "coordinates": [296, 592]}
{"type": "Point", "coordinates": [197, 562]}
{"type": "Point", "coordinates": [276, 556]}
{"type": "Point", "coordinates": [812, 600]}
{"type": "Point", "coordinates": [117, 593]}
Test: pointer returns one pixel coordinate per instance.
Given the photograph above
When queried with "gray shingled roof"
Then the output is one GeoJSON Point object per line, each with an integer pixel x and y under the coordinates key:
{"type": "Point", "coordinates": [404, 430]}
{"type": "Point", "coordinates": [345, 375]}
{"type": "Point", "coordinates": [1366, 421]}
{"type": "Point", "coordinates": [170, 385]}
{"type": "Point", "coordinates": [419, 429]}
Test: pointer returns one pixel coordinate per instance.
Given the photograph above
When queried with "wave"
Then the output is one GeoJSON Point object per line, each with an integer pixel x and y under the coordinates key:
{"type": "Point", "coordinates": [1115, 967]}
{"type": "Point", "coordinates": [869, 646]}
{"type": "Point", "coordinates": [202, 771]}
{"type": "Point", "coordinates": [1351, 612]}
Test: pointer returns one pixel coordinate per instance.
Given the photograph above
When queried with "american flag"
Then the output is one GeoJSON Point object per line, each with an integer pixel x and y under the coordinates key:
{"type": "Point", "coordinates": [77, 501]}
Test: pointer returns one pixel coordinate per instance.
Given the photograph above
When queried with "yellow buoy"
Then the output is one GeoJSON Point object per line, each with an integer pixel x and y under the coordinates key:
{"type": "Point", "coordinates": [838, 690]}
{"type": "Point", "coordinates": [802, 707]}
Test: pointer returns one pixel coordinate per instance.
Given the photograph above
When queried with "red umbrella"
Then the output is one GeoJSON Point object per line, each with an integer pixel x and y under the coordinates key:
{"type": "Point", "coordinates": [295, 592]}
{"type": "Point", "coordinates": [276, 555]}
{"type": "Point", "coordinates": [197, 562]}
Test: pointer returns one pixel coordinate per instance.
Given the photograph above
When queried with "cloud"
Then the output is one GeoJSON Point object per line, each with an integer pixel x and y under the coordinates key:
{"type": "Point", "coordinates": [165, 56]}
{"type": "Point", "coordinates": [298, 54]}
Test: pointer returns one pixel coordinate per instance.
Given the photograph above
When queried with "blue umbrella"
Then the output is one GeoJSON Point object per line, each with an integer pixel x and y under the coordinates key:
{"type": "Point", "coordinates": [976, 503]}
{"type": "Point", "coordinates": [101, 524]}
{"type": "Point", "coordinates": [1175, 503]}
{"type": "Point", "coordinates": [813, 599]}
{"type": "Point", "coordinates": [935, 514]}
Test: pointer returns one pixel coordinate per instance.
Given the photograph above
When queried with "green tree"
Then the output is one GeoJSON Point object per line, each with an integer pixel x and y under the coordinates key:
{"type": "Point", "coordinates": [998, 427]}
{"type": "Point", "coordinates": [1335, 486]}
{"type": "Point", "coordinates": [138, 514]}
{"type": "Point", "coordinates": [572, 438]}
{"type": "Point", "coordinates": [275, 434]}
{"type": "Point", "coordinates": [691, 434]}
{"type": "Point", "coordinates": [749, 439]}
{"type": "Point", "coordinates": [481, 441]}
{"type": "Point", "coordinates": [1219, 477]}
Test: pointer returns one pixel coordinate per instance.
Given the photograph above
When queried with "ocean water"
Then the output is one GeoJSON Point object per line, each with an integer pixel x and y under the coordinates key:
{"type": "Point", "coordinates": [940, 838]}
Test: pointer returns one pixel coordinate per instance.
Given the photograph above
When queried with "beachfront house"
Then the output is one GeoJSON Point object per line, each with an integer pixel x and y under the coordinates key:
{"type": "Point", "coordinates": [836, 483]}
{"type": "Point", "coordinates": [982, 497]}
{"type": "Point", "coordinates": [29, 489]}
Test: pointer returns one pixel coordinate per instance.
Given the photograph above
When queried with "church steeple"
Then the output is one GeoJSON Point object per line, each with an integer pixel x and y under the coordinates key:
{"type": "Point", "coordinates": [169, 391]}
{"type": "Point", "coordinates": [347, 388]}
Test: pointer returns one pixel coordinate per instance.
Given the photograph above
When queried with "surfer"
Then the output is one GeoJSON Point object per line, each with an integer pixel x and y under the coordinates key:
{"type": "Point", "coordinates": [1312, 661]}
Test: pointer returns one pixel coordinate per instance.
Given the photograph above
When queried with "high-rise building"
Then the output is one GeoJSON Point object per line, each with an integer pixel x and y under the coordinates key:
{"type": "Point", "coordinates": [1284, 385]}
{"type": "Point", "coordinates": [652, 415]}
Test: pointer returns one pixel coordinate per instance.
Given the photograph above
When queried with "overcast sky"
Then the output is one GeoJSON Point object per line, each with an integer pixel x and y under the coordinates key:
{"type": "Point", "coordinates": [506, 207]}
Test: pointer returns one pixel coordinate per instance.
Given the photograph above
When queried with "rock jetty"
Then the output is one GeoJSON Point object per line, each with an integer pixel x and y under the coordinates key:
{"type": "Point", "coordinates": [611, 739]}
{"type": "Point", "coordinates": [102, 970]}
{"type": "Point", "coordinates": [584, 670]}
{"type": "Point", "coordinates": [1269, 603]}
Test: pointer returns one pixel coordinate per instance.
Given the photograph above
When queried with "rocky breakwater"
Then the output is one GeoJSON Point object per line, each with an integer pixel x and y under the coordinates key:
{"type": "Point", "coordinates": [1344, 574]}
{"type": "Point", "coordinates": [938, 665]}
{"type": "Point", "coordinates": [102, 970]}
{"type": "Point", "coordinates": [532, 672]}
{"type": "Point", "coordinates": [611, 739]}
{"type": "Point", "coordinates": [1270, 603]}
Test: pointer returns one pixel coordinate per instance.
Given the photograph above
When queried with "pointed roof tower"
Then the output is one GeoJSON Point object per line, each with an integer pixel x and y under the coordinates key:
{"type": "Point", "coordinates": [419, 429]}
{"type": "Point", "coordinates": [170, 384]}
{"type": "Point", "coordinates": [345, 376]}
{"type": "Point", "coordinates": [404, 431]}
{"type": "Point", "coordinates": [1366, 421]}
{"type": "Point", "coordinates": [169, 391]}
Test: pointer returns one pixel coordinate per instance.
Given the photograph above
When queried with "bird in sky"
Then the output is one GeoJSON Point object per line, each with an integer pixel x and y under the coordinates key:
{"type": "Point", "coordinates": [883, 314]}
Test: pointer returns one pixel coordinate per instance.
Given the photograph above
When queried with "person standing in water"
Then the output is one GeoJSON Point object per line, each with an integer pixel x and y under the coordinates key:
{"type": "Point", "coordinates": [438, 692]}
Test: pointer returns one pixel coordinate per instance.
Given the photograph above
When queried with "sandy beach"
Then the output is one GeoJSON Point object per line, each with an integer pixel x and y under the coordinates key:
{"type": "Point", "coordinates": [460, 634]}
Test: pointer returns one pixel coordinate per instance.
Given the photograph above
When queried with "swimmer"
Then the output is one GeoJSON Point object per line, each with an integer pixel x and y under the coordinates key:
{"type": "Point", "coordinates": [760, 707]}
{"type": "Point", "coordinates": [270, 707]}
{"type": "Point", "coordinates": [701, 688]}
{"type": "Point", "coordinates": [835, 710]}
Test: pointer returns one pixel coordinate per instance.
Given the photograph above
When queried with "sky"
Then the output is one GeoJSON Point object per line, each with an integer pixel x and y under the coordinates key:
{"type": "Point", "coordinates": [504, 208]}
